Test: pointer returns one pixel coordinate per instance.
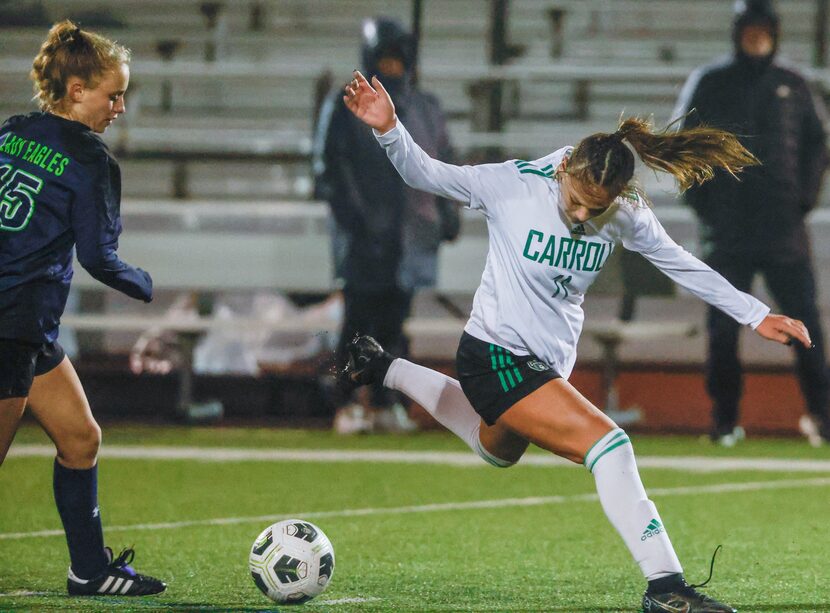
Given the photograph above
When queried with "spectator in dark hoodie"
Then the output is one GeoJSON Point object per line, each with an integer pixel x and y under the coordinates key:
{"type": "Point", "coordinates": [386, 235]}
{"type": "Point", "coordinates": [757, 225]}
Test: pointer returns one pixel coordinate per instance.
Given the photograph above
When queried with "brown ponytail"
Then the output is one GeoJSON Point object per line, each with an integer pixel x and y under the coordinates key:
{"type": "Point", "coordinates": [690, 155]}
{"type": "Point", "coordinates": [69, 51]}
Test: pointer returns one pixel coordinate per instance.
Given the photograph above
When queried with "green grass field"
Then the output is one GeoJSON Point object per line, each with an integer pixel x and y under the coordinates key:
{"type": "Point", "coordinates": [433, 535]}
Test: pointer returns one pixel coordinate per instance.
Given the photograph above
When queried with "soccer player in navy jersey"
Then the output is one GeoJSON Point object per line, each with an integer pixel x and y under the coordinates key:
{"type": "Point", "coordinates": [61, 188]}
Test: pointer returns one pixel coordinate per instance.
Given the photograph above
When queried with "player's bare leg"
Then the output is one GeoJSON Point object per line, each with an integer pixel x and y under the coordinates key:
{"type": "Point", "coordinates": [11, 410]}
{"type": "Point", "coordinates": [558, 418]}
{"type": "Point", "coordinates": [58, 402]}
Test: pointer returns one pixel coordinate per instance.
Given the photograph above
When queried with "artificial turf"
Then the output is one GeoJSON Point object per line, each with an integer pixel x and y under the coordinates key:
{"type": "Point", "coordinates": [395, 553]}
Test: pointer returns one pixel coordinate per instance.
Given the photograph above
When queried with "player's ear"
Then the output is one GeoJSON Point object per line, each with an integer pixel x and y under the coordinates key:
{"type": "Point", "coordinates": [75, 89]}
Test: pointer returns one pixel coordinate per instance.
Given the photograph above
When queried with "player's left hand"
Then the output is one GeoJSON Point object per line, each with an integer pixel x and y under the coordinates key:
{"type": "Point", "coordinates": [784, 330]}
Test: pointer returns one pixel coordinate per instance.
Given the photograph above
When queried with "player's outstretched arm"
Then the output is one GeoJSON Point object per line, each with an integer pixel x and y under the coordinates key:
{"type": "Point", "coordinates": [372, 105]}
{"type": "Point", "coordinates": [785, 330]}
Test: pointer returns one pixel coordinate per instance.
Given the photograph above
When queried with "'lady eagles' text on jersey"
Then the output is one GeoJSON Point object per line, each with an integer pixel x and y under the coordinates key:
{"type": "Point", "coordinates": [539, 264]}
{"type": "Point", "coordinates": [59, 188]}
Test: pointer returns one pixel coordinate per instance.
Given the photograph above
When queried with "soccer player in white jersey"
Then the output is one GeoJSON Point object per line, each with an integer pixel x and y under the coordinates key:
{"type": "Point", "coordinates": [552, 224]}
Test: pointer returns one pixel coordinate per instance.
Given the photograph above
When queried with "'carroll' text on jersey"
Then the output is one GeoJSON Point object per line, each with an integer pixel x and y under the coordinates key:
{"type": "Point", "coordinates": [568, 253]}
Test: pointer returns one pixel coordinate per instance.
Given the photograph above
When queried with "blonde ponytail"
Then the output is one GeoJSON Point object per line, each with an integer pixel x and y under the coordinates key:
{"type": "Point", "coordinates": [691, 155]}
{"type": "Point", "coordinates": [69, 51]}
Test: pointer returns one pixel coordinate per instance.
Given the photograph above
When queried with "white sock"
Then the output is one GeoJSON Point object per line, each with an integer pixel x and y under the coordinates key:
{"type": "Point", "coordinates": [625, 502]}
{"type": "Point", "coordinates": [444, 399]}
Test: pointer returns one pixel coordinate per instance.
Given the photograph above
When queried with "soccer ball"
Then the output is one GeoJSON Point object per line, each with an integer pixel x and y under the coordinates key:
{"type": "Point", "coordinates": [292, 561]}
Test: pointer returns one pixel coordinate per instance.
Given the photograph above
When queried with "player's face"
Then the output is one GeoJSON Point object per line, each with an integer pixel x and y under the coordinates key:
{"type": "Point", "coordinates": [99, 106]}
{"type": "Point", "coordinates": [756, 40]}
{"type": "Point", "coordinates": [582, 201]}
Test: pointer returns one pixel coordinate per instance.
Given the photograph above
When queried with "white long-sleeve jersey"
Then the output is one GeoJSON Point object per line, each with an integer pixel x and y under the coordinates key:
{"type": "Point", "coordinates": [539, 264]}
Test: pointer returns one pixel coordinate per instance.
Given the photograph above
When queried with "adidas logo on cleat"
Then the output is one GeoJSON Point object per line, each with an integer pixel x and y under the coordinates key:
{"type": "Point", "coordinates": [653, 529]}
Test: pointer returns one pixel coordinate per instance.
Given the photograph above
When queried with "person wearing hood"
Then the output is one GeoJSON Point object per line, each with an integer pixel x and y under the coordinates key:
{"type": "Point", "coordinates": [552, 223]}
{"type": "Point", "coordinates": [757, 225]}
{"type": "Point", "coordinates": [386, 235]}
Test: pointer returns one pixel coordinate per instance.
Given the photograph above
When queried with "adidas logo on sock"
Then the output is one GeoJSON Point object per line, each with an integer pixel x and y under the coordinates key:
{"type": "Point", "coordinates": [653, 529]}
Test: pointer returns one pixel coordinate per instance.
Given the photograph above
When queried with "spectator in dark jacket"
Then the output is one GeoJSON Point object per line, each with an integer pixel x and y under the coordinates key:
{"type": "Point", "coordinates": [386, 234]}
{"type": "Point", "coordinates": [757, 225]}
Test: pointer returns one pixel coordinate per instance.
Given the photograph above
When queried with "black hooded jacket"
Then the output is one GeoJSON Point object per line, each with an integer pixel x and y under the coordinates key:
{"type": "Point", "coordinates": [774, 112]}
{"type": "Point", "coordinates": [387, 234]}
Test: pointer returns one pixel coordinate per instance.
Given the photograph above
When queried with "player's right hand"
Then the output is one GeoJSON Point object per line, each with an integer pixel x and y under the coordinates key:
{"type": "Point", "coordinates": [372, 105]}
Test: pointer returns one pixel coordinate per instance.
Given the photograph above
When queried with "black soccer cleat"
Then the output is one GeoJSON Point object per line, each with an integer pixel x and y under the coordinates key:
{"type": "Point", "coordinates": [367, 363]}
{"type": "Point", "coordinates": [684, 599]}
{"type": "Point", "coordinates": [119, 579]}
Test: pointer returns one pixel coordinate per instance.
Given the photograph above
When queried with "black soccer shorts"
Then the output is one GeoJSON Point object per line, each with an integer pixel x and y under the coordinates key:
{"type": "Point", "coordinates": [22, 361]}
{"type": "Point", "coordinates": [493, 379]}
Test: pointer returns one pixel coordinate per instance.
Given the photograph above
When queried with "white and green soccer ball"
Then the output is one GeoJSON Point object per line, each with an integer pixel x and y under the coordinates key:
{"type": "Point", "coordinates": [292, 561]}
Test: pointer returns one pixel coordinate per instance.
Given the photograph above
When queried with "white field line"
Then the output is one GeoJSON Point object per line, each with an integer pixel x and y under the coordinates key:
{"type": "Point", "coordinates": [335, 601]}
{"type": "Point", "coordinates": [718, 488]}
{"type": "Point", "coordinates": [355, 600]}
{"type": "Point", "coordinates": [447, 458]}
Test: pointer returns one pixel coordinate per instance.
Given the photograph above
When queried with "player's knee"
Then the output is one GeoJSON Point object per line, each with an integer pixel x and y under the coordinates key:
{"type": "Point", "coordinates": [91, 441]}
{"type": "Point", "coordinates": [80, 449]}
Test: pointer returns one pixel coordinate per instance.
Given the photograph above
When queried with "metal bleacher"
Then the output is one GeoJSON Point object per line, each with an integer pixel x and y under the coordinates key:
{"type": "Point", "coordinates": [255, 101]}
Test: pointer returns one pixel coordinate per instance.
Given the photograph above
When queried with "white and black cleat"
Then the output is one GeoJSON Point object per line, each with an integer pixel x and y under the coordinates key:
{"type": "Point", "coordinates": [119, 579]}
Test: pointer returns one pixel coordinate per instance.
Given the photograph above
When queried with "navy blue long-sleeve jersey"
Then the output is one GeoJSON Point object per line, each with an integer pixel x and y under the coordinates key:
{"type": "Point", "coordinates": [59, 187]}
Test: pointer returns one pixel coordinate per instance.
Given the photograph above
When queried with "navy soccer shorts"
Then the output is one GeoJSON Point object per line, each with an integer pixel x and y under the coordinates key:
{"type": "Point", "coordinates": [493, 379]}
{"type": "Point", "coordinates": [21, 362]}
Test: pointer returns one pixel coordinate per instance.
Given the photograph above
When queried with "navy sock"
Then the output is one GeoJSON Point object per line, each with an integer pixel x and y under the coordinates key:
{"type": "Point", "coordinates": [76, 495]}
